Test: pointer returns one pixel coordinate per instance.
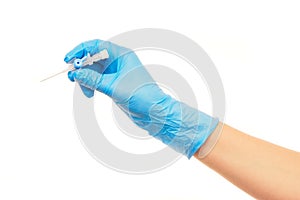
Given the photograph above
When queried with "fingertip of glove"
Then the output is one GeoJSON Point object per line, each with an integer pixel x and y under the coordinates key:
{"type": "Point", "coordinates": [87, 91]}
{"type": "Point", "coordinates": [71, 75]}
{"type": "Point", "coordinates": [67, 59]}
{"type": "Point", "coordinates": [89, 94]}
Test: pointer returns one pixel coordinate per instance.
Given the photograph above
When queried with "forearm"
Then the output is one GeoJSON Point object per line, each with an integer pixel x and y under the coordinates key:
{"type": "Point", "coordinates": [262, 169]}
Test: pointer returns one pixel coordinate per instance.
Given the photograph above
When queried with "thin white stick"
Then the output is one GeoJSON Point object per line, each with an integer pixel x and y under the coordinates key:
{"type": "Point", "coordinates": [53, 75]}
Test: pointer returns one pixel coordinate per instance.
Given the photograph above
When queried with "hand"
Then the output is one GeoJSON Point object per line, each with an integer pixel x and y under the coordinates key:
{"type": "Point", "coordinates": [123, 77]}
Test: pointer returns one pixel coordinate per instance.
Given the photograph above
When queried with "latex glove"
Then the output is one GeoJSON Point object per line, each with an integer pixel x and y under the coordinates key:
{"type": "Point", "coordinates": [123, 77]}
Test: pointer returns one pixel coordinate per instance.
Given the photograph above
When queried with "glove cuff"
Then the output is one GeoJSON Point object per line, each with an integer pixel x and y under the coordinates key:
{"type": "Point", "coordinates": [210, 143]}
{"type": "Point", "coordinates": [207, 126]}
{"type": "Point", "coordinates": [183, 128]}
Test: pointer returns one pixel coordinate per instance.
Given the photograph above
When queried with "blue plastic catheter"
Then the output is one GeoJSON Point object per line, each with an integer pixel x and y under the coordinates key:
{"type": "Point", "coordinates": [83, 62]}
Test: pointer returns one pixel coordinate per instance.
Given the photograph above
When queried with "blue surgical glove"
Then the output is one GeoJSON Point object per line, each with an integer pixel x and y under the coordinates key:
{"type": "Point", "coordinates": [123, 77]}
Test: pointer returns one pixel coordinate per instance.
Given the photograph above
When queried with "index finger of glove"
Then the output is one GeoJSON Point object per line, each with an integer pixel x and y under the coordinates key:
{"type": "Point", "coordinates": [81, 50]}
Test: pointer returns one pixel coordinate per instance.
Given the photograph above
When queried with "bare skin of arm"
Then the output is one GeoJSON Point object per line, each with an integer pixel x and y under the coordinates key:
{"type": "Point", "coordinates": [262, 169]}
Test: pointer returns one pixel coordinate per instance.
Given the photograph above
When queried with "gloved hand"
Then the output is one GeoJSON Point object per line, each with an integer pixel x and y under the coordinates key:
{"type": "Point", "coordinates": [123, 77]}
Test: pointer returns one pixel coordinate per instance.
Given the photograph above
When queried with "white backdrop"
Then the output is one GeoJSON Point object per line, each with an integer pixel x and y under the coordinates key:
{"type": "Point", "coordinates": [254, 44]}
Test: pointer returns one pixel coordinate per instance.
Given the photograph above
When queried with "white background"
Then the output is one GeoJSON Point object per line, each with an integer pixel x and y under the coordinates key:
{"type": "Point", "coordinates": [254, 44]}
